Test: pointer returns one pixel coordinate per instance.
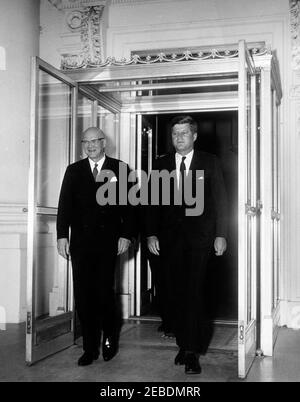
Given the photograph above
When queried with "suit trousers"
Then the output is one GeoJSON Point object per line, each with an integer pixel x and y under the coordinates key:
{"type": "Point", "coordinates": [184, 263]}
{"type": "Point", "coordinates": [93, 277]}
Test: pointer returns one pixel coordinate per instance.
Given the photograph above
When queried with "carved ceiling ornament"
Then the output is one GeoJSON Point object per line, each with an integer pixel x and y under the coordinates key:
{"type": "Point", "coordinates": [295, 32]}
{"type": "Point", "coordinates": [74, 20]}
{"type": "Point", "coordinates": [77, 62]}
{"type": "Point", "coordinates": [92, 35]}
{"type": "Point", "coordinates": [86, 25]}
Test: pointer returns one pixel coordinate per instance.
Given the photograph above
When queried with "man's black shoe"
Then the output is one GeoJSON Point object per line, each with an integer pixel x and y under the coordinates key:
{"type": "Point", "coordinates": [180, 358]}
{"type": "Point", "coordinates": [109, 348]}
{"type": "Point", "coordinates": [87, 358]}
{"type": "Point", "coordinates": [192, 365]}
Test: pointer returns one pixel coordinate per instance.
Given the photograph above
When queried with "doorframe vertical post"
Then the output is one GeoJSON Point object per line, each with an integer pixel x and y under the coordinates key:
{"type": "Point", "coordinates": [266, 220]}
{"type": "Point", "coordinates": [31, 210]}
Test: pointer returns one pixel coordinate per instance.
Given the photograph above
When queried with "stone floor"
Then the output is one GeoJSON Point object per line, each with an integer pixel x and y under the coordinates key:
{"type": "Point", "coordinates": [145, 356]}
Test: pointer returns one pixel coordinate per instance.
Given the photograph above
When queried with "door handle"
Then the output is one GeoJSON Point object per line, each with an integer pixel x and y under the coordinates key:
{"type": "Point", "coordinates": [251, 211]}
{"type": "Point", "coordinates": [275, 215]}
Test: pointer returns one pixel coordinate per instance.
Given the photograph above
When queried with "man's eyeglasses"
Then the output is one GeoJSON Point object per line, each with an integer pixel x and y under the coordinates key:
{"type": "Point", "coordinates": [92, 142]}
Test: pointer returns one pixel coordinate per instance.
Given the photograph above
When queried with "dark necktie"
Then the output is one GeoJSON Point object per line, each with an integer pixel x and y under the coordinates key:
{"type": "Point", "coordinates": [95, 171]}
{"type": "Point", "coordinates": [182, 177]}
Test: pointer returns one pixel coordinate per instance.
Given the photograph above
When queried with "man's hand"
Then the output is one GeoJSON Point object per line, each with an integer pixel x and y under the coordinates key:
{"type": "Point", "coordinates": [153, 244]}
{"type": "Point", "coordinates": [63, 248]}
{"type": "Point", "coordinates": [123, 245]}
{"type": "Point", "coordinates": [220, 245]}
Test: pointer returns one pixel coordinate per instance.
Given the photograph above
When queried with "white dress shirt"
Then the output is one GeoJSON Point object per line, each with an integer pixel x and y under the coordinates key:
{"type": "Point", "coordinates": [99, 164]}
{"type": "Point", "coordinates": [187, 162]}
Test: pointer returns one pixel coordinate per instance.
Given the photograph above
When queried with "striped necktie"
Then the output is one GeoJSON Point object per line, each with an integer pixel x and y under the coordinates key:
{"type": "Point", "coordinates": [182, 169]}
{"type": "Point", "coordinates": [95, 171]}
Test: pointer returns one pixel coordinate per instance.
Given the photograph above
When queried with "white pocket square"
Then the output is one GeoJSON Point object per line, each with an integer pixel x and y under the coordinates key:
{"type": "Point", "coordinates": [114, 178]}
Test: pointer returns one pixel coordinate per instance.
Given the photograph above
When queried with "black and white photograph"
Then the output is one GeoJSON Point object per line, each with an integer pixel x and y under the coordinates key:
{"type": "Point", "coordinates": [149, 194]}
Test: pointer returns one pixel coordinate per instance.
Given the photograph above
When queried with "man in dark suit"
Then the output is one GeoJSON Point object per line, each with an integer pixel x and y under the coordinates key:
{"type": "Point", "coordinates": [184, 241]}
{"type": "Point", "coordinates": [98, 234]}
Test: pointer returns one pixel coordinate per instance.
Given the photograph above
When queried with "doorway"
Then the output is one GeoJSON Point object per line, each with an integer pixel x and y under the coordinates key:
{"type": "Point", "coordinates": [210, 85]}
{"type": "Point", "coordinates": [217, 134]}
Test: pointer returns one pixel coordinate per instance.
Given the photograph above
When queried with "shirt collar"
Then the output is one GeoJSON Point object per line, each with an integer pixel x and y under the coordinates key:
{"type": "Point", "coordinates": [188, 157]}
{"type": "Point", "coordinates": [99, 163]}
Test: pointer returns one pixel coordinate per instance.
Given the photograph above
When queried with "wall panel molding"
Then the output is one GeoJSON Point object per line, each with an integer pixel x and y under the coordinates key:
{"type": "Point", "coordinates": [13, 218]}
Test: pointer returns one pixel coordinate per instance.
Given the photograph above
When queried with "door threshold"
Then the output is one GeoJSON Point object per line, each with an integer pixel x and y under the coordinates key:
{"type": "Point", "coordinates": [157, 319]}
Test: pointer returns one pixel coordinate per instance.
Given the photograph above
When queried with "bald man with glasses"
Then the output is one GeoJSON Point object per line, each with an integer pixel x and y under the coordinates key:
{"type": "Point", "coordinates": [98, 234]}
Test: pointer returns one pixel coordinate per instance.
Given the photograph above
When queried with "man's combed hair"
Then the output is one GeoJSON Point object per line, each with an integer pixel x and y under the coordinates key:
{"type": "Point", "coordinates": [185, 120]}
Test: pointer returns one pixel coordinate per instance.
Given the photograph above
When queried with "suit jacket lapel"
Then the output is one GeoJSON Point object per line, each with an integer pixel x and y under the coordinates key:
{"type": "Point", "coordinates": [87, 170]}
{"type": "Point", "coordinates": [106, 163]}
{"type": "Point", "coordinates": [194, 161]}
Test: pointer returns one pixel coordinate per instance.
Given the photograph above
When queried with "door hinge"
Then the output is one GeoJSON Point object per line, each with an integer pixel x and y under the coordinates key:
{"type": "Point", "coordinates": [28, 323]}
{"type": "Point", "coordinates": [241, 334]}
{"type": "Point", "coordinates": [259, 205]}
{"type": "Point", "coordinates": [275, 215]}
{"type": "Point", "coordinates": [250, 211]}
{"type": "Point", "coordinates": [253, 211]}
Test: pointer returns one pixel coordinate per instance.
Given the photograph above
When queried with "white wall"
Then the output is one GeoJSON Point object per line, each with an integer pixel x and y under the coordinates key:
{"type": "Point", "coordinates": [51, 23]}
{"type": "Point", "coordinates": [19, 36]}
{"type": "Point", "coordinates": [19, 40]}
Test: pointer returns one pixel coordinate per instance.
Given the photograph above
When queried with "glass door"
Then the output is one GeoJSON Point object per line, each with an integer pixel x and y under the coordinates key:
{"type": "Point", "coordinates": [52, 148]}
{"type": "Point", "coordinates": [248, 212]}
{"type": "Point", "coordinates": [144, 289]}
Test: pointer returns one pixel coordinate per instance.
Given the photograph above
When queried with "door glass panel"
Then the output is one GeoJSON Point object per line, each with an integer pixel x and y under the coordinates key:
{"type": "Point", "coordinates": [49, 291]}
{"type": "Point", "coordinates": [149, 263]}
{"type": "Point", "coordinates": [247, 211]}
{"type": "Point", "coordinates": [53, 139]}
{"type": "Point", "coordinates": [249, 196]}
{"type": "Point", "coordinates": [54, 126]}
{"type": "Point", "coordinates": [258, 198]}
{"type": "Point", "coordinates": [84, 112]}
{"type": "Point", "coordinates": [277, 178]}
{"type": "Point", "coordinates": [275, 201]}
{"type": "Point", "coordinates": [84, 121]}
{"type": "Point", "coordinates": [109, 123]}
{"type": "Point", "coordinates": [51, 281]}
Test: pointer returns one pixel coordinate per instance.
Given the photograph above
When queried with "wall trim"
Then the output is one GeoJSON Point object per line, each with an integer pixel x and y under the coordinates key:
{"type": "Point", "coordinates": [195, 34]}
{"type": "Point", "coordinates": [13, 218]}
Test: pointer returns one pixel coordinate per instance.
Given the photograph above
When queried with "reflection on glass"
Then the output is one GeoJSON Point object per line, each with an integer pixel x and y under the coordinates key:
{"type": "Point", "coordinates": [249, 199]}
{"type": "Point", "coordinates": [84, 121]}
{"type": "Point", "coordinates": [51, 271]}
{"type": "Point", "coordinates": [275, 201]}
{"type": "Point", "coordinates": [108, 122]}
{"type": "Point", "coordinates": [53, 138]}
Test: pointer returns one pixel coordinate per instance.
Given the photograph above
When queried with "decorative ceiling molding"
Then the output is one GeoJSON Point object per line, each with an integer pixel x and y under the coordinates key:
{"type": "Point", "coordinates": [124, 2]}
{"type": "Point", "coordinates": [13, 218]}
{"type": "Point", "coordinates": [75, 4]}
{"type": "Point", "coordinates": [78, 61]}
{"type": "Point", "coordinates": [295, 32]}
{"type": "Point", "coordinates": [86, 25]}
